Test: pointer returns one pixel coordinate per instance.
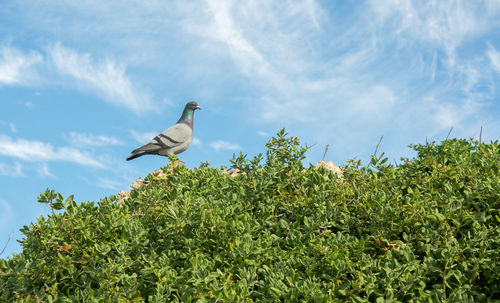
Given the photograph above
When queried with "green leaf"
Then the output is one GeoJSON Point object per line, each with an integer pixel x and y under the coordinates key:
{"type": "Point", "coordinates": [426, 228]}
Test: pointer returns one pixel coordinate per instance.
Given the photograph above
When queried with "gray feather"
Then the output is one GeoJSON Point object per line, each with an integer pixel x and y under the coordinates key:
{"type": "Point", "coordinates": [174, 140]}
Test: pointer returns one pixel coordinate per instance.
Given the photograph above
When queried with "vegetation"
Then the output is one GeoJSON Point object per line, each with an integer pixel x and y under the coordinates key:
{"type": "Point", "coordinates": [426, 230]}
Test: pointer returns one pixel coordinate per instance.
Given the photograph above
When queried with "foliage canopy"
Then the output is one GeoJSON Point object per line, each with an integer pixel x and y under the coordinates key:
{"type": "Point", "coordinates": [423, 230]}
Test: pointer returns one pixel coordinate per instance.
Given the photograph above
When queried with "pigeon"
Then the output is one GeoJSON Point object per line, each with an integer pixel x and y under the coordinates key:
{"type": "Point", "coordinates": [174, 140]}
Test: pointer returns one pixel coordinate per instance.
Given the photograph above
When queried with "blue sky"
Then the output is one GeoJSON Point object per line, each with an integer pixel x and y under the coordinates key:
{"type": "Point", "coordinates": [82, 83]}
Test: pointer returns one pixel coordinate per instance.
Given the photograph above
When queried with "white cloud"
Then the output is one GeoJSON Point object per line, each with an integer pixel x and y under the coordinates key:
{"type": "Point", "coordinates": [168, 102]}
{"type": "Point", "coordinates": [107, 78]}
{"type": "Point", "coordinates": [89, 140]}
{"type": "Point", "coordinates": [12, 127]}
{"type": "Point", "coordinates": [452, 114]}
{"type": "Point", "coordinates": [223, 29]}
{"type": "Point", "coordinates": [109, 184]}
{"type": "Point", "coordinates": [224, 145]}
{"type": "Point", "coordinates": [325, 70]}
{"type": "Point", "coordinates": [196, 141]}
{"type": "Point", "coordinates": [331, 72]}
{"type": "Point", "coordinates": [32, 150]}
{"type": "Point", "coordinates": [16, 67]}
{"type": "Point", "coordinates": [269, 42]}
{"type": "Point", "coordinates": [376, 100]}
{"type": "Point", "coordinates": [264, 38]}
{"type": "Point", "coordinates": [446, 22]}
{"type": "Point", "coordinates": [5, 214]}
{"type": "Point", "coordinates": [494, 57]}
{"type": "Point", "coordinates": [44, 172]}
{"type": "Point", "coordinates": [15, 170]}
{"type": "Point", "coordinates": [29, 105]}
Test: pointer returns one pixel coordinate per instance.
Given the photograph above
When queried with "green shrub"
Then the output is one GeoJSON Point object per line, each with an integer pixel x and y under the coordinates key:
{"type": "Point", "coordinates": [423, 231]}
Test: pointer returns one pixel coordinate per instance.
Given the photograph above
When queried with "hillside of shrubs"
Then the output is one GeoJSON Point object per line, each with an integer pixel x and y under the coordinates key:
{"type": "Point", "coordinates": [269, 229]}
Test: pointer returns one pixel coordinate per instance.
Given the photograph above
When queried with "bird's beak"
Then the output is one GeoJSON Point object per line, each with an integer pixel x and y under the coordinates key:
{"type": "Point", "coordinates": [198, 107]}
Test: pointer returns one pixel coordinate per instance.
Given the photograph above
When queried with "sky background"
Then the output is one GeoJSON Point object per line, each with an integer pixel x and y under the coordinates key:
{"type": "Point", "coordinates": [82, 83]}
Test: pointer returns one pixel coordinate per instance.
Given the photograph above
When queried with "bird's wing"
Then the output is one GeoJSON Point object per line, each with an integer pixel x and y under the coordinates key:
{"type": "Point", "coordinates": [174, 136]}
{"type": "Point", "coordinates": [148, 148]}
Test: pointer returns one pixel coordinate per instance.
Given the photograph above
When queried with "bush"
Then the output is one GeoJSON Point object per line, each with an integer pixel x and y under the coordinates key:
{"type": "Point", "coordinates": [425, 230]}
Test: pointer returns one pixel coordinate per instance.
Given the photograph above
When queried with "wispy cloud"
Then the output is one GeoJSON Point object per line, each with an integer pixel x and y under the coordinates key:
{"type": "Point", "coordinates": [224, 30]}
{"type": "Point", "coordinates": [440, 28]}
{"type": "Point", "coordinates": [109, 184]}
{"type": "Point", "coordinates": [448, 115]}
{"type": "Point", "coordinates": [12, 127]}
{"type": "Point", "coordinates": [494, 57]}
{"type": "Point", "coordinates": [446, 23]}
{"type": "Point", "coordinates": [44, 171]}
{"type": "Point", "coordinates": [143, 137]}
{"type": "Point", "coordinates": [32, 150]}
{"type": "Point", "coordinates": [196, 141]}
{"type": "Point", "coordinates": [224, 145]}
{"type": "Point", "coordinates": [332, 75]}
{"type": "Point", "coordinates": [16, 67]}
{"type": "Point", "coordinates": [29, 105]}
{"type": "Point", "coordinates": [107, 78]}
{"type": "Point", "coordinates": [15, 170]}
{"type": "Point", "coordinates": [266, 51]}
{"type": "Point", "coordinates": [5, 213]}
{"type": "Point", "coordinates": [319, 69]}
{"type": "Point", "coordinates": [90, 140]}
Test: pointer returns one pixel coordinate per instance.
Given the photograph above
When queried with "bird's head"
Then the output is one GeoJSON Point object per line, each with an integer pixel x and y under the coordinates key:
{"type": "Point", "coordinates": [192, 105]}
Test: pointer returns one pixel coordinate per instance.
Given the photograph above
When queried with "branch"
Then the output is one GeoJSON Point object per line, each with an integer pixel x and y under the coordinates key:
{"type": "Point", "coordinates": [449, 133]}
{"type": "Point", "coordinates": [324, 155]}
{"type": "Point", "coordinates": [7, 243]}
{"type": "Point", "coordinates": [378, 144]}
{"type": "Point", "coordinates": [480, 134]}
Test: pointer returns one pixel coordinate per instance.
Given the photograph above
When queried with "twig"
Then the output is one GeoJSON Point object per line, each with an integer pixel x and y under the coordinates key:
{"type": "Point", "coordinates": [378, 144]}
{"type": "Point", "coordinates": [480, 134]}
{"type": "Point", "coordinates": [324, 155]}
{"type": "Point", "coordinates": [449, 133]}
{"type": "Point", "coordinates": [5, 246]}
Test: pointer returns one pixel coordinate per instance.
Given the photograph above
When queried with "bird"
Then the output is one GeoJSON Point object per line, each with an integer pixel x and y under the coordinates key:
{"type": "Point", "coordinates": [174, 140]}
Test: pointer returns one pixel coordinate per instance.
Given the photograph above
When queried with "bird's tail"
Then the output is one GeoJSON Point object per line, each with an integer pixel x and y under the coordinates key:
{"type": "Point", "coordinates": [135, 155]}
